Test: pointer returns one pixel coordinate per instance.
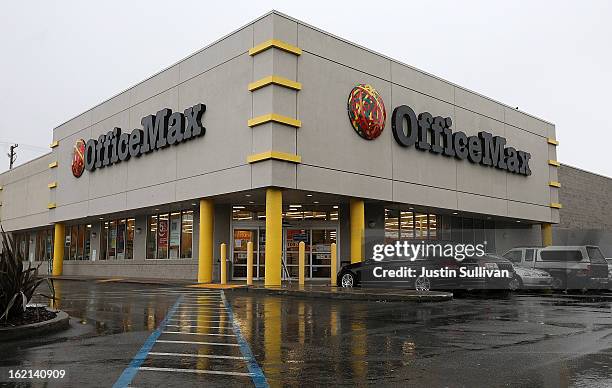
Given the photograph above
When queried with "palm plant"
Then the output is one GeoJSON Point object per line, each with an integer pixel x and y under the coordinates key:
{"type": "Point", "coordinates": [17, 284]}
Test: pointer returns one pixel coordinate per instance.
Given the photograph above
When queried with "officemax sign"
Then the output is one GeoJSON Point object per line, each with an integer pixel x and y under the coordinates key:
{"type": "Point", "coordinates": [426, 132]}
{"type": "Point", "coordinates": [161, 130]}
{"type": "Point", "coordinates": [434, 134]}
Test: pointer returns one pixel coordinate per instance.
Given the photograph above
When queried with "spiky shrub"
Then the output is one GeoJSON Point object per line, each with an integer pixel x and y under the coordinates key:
{"type": "Point", "coordinates": [17, 284]}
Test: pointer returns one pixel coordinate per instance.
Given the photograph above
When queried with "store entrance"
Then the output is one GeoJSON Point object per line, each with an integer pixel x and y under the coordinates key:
{"type": "Point", "coordinates": [317, 240]}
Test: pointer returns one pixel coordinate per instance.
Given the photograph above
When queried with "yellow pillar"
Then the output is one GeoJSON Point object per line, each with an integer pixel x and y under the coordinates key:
{"type": "Point", "coordinates": [249, 263]}
{"type": "Point", "coordinates": [334, 265]}
{"type": "Point", "coordinates": [223, 263]}
{"type": "Point", "coordinates": [301, 263]}
{"type": "Point", "coordinates": [547, 239]}
{"type": "Point", "coordinates": [357, 215]}
{"type": "Point", "coordinates": [205, 247]}
{"type": "Point", "coordinates": [58, 250]}
{"type": "Point", "coordinates": [274, 236]}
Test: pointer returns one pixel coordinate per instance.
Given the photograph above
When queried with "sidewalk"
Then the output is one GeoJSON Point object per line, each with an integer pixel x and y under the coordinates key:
{"type": "Point", "coordinates": [310, 290]}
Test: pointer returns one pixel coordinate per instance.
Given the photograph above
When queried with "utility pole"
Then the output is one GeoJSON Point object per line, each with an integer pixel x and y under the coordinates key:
{"type": "Point", "coordinates": [12, 155]}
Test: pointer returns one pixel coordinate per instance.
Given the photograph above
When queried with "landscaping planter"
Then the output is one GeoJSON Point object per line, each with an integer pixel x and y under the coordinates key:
{"type": "Point", "coordinates": [59, 323]}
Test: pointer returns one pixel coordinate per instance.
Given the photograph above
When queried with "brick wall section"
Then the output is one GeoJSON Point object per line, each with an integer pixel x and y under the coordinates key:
{"type": "Point", "coordinates": [586, 200]}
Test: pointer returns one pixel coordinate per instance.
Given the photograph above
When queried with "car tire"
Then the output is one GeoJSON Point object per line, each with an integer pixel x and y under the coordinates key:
{"type": "Point", "coordinates": [348, 280]}
{"type": "Point", "coordinates": [515, 284]}
{"type": "Point", "coordinates": [558, 283]}
{"type": "Point", "coordinates": [422, 283]}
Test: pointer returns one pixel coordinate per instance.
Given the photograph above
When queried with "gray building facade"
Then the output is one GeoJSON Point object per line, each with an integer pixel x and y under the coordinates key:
{"type": "Point", "coordinates": [279, 146]}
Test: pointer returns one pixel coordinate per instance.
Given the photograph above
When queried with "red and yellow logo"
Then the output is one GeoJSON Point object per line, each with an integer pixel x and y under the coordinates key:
{"type": "Point", "coordinates": [78, 158]}
{"type": "Point", "coordinates": [366, 111]}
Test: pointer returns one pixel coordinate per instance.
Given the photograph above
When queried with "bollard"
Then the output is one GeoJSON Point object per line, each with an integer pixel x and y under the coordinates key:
{"type": "Point", "coordinates": [334, 265]}
{"type": "Point", "coordinates": [249, 263]}
{"type": "Point", "coordinates": [223, 264]}
{"type": "Point", "coordinates": [302, 263]}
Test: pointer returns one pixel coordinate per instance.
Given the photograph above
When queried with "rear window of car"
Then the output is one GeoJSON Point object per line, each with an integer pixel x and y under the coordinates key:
{"type": "Point", "coordinates": [595, 255]}
{"type": "Point", "coordinates": [529, 253]}
{"type": "Point", "coordinates": [570, 255]}
{"type": "Point", "coordinates": [514, 256]}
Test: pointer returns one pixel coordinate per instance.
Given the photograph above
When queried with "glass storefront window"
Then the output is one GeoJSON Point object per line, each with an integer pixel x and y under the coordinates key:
{"type": "Point", "coordinates": [129, 242]}
{"type": "Point", "coordinates": [170, 235]}
{"type": "Point", "coordinates": [74, 237]}
{"type": "Point", "coordinates": [406, 225]}
{"type": "Point", "coordinates": [391, 225]}
{"type": "Point", "coordinates": [120, 239]}
{"type": "Point", "coordinates": [80, 241]}
{"type": "Point", "coordinates": [152, 237]}
{"type": "Point", "coordinates": [175, 235]}
{"type": "Point", "coordinates": [187, 235]}
{"type": "Point", "coordinates": [162, 236]}
{"type": "Point", "coordinates": [103, 241]}
{"type": "Point", "coordinates": [112, 240]}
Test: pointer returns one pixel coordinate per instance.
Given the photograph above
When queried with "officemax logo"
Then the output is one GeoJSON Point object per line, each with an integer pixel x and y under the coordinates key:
{"type": "Point", "coordinates": [366, 111]}
{"type": "Point", "coordinates": [434, 134]}
{"type": "Point", "coordinates": [161, 130]}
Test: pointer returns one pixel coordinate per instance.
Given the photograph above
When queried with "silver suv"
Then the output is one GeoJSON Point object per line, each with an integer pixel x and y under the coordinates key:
{"type": "Point", "coordinates": [572, 267]}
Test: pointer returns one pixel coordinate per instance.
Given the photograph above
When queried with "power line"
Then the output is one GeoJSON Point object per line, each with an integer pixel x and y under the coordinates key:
{"type": "Point", "coordinates": [26, 146]}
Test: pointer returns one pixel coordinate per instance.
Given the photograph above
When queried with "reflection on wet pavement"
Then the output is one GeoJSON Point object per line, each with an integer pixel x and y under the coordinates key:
{"type": "Point", "coordinates": [524, 340]}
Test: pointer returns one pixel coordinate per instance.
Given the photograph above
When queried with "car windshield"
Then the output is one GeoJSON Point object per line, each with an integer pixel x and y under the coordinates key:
{"type": "Point", "coordinates": [595, 255]}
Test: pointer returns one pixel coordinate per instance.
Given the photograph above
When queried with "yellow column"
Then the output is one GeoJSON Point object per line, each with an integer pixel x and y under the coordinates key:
{"type": "Point", "coordinates": [58, 250]}
{"type": "Point", "coordinates": [274, 236]}
{"type": "Point", "coordinates": [357, 215]}
{"type": "Point", "coordinates": [205, 248]}
{"type": "Point", "coordinates": [301, 263]}
{"type": "Point", "coordinates": [223, 263]}
{"type": "Point", "coordinates": [547, 239]}
{"type": "Point", "coordinates": [249, 263]}
{"type": "Point", "coordinates": [334, 264]}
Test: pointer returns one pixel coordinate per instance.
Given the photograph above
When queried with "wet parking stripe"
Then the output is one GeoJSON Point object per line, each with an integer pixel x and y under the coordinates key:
{"type": "Point", "coordinates": [179, 338]}
{"type": "Point", "coordinates": [200, 371]}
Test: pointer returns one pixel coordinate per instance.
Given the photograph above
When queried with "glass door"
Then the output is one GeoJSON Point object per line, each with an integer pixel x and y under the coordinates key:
{"type": "Point", "coordinates": [239, 259]}
{"type": "Point", "coordinates": [292, 238]}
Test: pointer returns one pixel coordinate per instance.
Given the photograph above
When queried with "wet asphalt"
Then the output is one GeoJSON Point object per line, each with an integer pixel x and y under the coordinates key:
{"type": "Point", "coordinates": [152, 336]}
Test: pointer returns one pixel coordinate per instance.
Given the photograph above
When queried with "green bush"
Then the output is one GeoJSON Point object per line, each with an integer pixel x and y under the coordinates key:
{"type": "Point", "coordinates": [17, 284]}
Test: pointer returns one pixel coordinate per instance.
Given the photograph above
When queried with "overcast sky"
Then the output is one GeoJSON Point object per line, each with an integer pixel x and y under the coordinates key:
{"type": "Point", "coordinates": [549, 58]}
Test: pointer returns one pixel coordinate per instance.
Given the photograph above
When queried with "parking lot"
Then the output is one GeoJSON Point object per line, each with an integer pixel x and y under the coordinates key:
{"type": "Point", "coordinates": [146, 335]}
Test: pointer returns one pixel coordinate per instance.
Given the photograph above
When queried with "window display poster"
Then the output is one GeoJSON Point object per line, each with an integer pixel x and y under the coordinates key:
{"type": "Point", "coordinates": [175, 232]}
{"type": "Point", "coordinates": [162, 234]}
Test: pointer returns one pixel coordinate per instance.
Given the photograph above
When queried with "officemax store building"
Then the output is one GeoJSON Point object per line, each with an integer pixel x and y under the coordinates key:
{"type": "Point", "coordinates": [275, 134]}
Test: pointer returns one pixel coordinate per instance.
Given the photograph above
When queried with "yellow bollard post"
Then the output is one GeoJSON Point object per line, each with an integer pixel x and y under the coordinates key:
{"type": "Point", "coordinates": [223, 263]}
{"type": "Point", "coordinates": [302, 263]}
{"type": "Point", "coordinates": [249, 263]}
{"type": "Point", "coordinates": [334, 265]}
{"type": "Point", "coordinates": [357, 226]}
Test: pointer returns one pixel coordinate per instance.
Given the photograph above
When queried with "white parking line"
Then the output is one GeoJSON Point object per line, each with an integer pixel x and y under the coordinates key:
{"type": "Point", "coordinates": [197, 343]}
{"type": "Point", "coordinates": [185, 321]}
{"type": "Point", "coordinates": [199, 371]}
{"type": "Point", "coordinates": [192, 333]}
{"type": "Point", "coordinates": [197, 327]}
{"type": "Point", "coordinates": [198, 355]}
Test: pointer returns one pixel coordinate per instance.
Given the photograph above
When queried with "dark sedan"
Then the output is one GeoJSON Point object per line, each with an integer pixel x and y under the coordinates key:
{"type": "Point", "coordinates": [485, 272]}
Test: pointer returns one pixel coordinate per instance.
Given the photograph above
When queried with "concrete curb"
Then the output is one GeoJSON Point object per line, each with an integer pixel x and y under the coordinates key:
{"type": "Point", "coordinates": [59, 323]}
{"type": "Point", "coordinates": [364, 295]}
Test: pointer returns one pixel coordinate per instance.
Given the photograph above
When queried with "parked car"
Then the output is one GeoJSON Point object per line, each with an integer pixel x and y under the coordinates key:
{"type": "Point", "coordinates": [530, 278]}
{"type": "Point", "coordinates": [368, 274]}
{"type": "Point", "coordinates": [572, 267]}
